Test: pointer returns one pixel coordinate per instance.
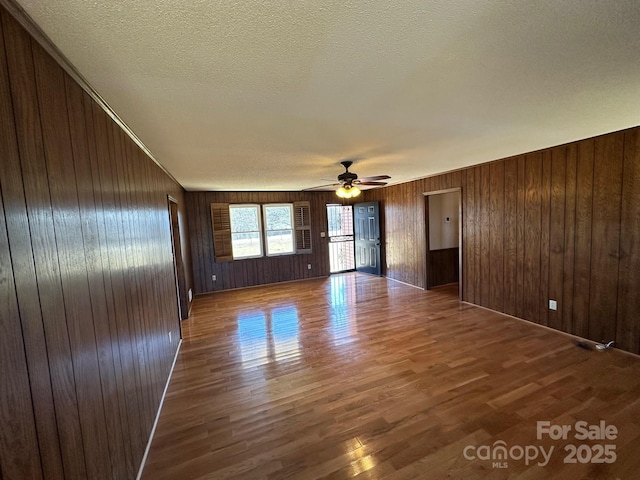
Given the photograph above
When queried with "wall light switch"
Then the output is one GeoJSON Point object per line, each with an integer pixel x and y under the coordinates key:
{"type": "Point", "coordinates": [213, 277]}
{"type": "Point", "coordinates": [553, 305]}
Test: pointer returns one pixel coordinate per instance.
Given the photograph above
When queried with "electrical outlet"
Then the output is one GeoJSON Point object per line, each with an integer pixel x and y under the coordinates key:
{"type": "Point", "coordinates": [553, 305]}
{"type": "Point", "coordinates": [309, 267]}
{"type": "Point", "coordinates": [213, 277]}
{"type": "Point", "coordinates": [169, 337]}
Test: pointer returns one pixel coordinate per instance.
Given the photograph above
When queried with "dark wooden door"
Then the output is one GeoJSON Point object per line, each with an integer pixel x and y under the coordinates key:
{"type": "Point", "coordinates": [366, 218]}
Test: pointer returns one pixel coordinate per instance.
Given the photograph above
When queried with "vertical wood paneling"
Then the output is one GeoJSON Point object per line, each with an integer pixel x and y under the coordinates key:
{"type": "Point", "coordinates": [541, 208]}
{"type": "Point", "coordinates": [469, 237]}
{"type": "Point", "coordinates": [127, 293]}
{"type": "Point", "coordinates": [557, 207]}
{"type": "Point", "coordinates": [19, 453]}
{"type": "Point", "coordinates": [484, 232]}
{"type": "Point", "coordinates": [419, 232]}
{"type": "Point", "coordinates": [206, 263]}
{"type": "Point", "coordinates": [605, 234]}
{"type": "Point", "coordinates": [43, 243]}
{"type": "Point", "coordinates": [510, 235]}
{"type": "Point", "coordinates": [115, 278]}
{"type": "Point", "coordinates": [461, 181]}
{"type": "Point", "coordinates": [535, 216]}
{"type": "Point", "coordinates": [132, 298]}
{"type": "Point", "coordinates": [496, 236]}
{"type": "Point", "coordinates": [443, 267]}
{"type": "Point", "coordinates": [545, 226]}
{"type": "Point", "coordinates": [476, 254]}
{"type": "Point", "coordinates": [582, 255]}
{"type": "Point", "coordinates": [72, 262]}
{"type": "Point", "coordinates": [146, 288]}
{"type": "Point", "coordinates": [86, 277]}
{"type": "Point", "coordinates": [207, 246]}
{"type": "Point", "coordinates": [81, 139]}
{"type": "Point", "coordinates": [532, 234]}
{"type": "Point", "coordinates": [146, 353]}
{"type": "Point", "coordinates": [32, 411]}
{"type": "Point", "coordinates": [520, 235]}
{"type": "Point", "coordinates": [569, 239]}
{"type": "Point", "coordinates": [127, 235]}
{"type": "Point", "coordinates": [458, 178]}
{"type": "Point", "coordinates": [196, 267]}
{"type": "Point", "coordinates": [628, 326]}
{"type": "Point", "coordinates": [154, 279]}
{"type": "Point", "coordinates": [104, 213]}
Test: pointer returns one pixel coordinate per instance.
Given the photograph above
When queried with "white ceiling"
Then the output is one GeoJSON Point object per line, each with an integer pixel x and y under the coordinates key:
{"type": "Point", "coordinates": [271, 95]}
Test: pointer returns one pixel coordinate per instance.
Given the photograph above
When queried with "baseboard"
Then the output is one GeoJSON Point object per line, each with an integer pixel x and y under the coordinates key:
{"type": "Point", "coordinates": [155, 423]}
{"type": "Point", "coordinates": [404, 283]}
{"type": "Point", "coordinates": [566, 334]}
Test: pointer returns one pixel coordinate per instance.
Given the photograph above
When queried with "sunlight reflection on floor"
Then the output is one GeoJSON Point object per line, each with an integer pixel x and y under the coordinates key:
{"type": "Point", "coordinates": [269, 335]}
{"type": "Point", "coordinates": [273, 333]}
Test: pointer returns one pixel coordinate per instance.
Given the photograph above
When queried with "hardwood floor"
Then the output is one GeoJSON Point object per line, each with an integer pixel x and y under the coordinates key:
{"type": "Point", "coordinates": [360, 376]}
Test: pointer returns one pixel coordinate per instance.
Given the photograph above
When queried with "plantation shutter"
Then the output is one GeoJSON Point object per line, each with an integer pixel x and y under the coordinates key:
{"type": "Point", "coordinates": [302, 222]}
{"type": "Point", "coordinates": [221, 225]}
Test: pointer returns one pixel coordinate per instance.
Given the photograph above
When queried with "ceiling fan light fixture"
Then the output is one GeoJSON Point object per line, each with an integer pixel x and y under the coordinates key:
{"type": "Point", "coordinates": [348, 192]}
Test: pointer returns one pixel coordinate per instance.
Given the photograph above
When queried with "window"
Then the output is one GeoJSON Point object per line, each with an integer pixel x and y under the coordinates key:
{"type": "Point", "coordinates": [246, 241]}
{"type": "Point", "coordinates": [278, 228]}
{"type": "Point", "coordinates": [238, 231]}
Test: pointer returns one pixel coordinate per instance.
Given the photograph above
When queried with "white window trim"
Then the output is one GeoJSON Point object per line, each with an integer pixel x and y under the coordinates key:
{"type": "Point", "coordinates": [260, 230]}
{"type": "Point", "coordinates": [265, 231]}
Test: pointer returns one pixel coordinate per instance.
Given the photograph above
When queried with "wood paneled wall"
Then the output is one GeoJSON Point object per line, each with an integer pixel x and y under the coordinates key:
{"type": "Point", "coordinates": [87, 290]}
{"type": "Point", "coordinates": [443, 267]}
{"type": "Point", "coordinates": [561, 223]}
{"type": "Point", "coordinates": [255, 271]}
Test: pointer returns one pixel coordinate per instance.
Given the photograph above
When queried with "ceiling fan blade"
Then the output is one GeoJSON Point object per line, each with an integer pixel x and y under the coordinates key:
{"type": "Point", "coordinates": [370, 183]}
{"type": "Point", "coordinates": [330, 186]}
{"type": "Point", "coordinates": [375, 177]}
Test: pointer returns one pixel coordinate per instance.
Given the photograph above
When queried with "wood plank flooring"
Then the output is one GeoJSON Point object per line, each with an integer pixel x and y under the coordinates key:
{"type": "Point", "coordinates": [360, 376]}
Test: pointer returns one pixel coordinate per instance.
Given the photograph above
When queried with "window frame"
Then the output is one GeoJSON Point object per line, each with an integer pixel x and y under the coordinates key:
{"type": "Point", "coordinates": [222, 235]}
{"type": "Point", "coordinates": [258, 209]}
{"type": "Point", "coordinates": [266, 230]}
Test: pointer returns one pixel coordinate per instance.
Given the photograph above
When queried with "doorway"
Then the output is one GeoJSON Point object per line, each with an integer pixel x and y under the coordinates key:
{"type": "Point", "coordinates": [443, 212]}
{"type": "Point", "coordinates": [181, 289]}
{"type": "Point", "coordinates": [341, 245]}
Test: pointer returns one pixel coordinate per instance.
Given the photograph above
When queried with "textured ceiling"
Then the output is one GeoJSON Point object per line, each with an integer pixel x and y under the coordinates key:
{"type": "Point", "coordinates": [271, 95]}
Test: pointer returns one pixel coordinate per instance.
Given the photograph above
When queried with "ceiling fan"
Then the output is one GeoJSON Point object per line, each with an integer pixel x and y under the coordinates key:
{"type": "Point", "coordinates": [349, 182]}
